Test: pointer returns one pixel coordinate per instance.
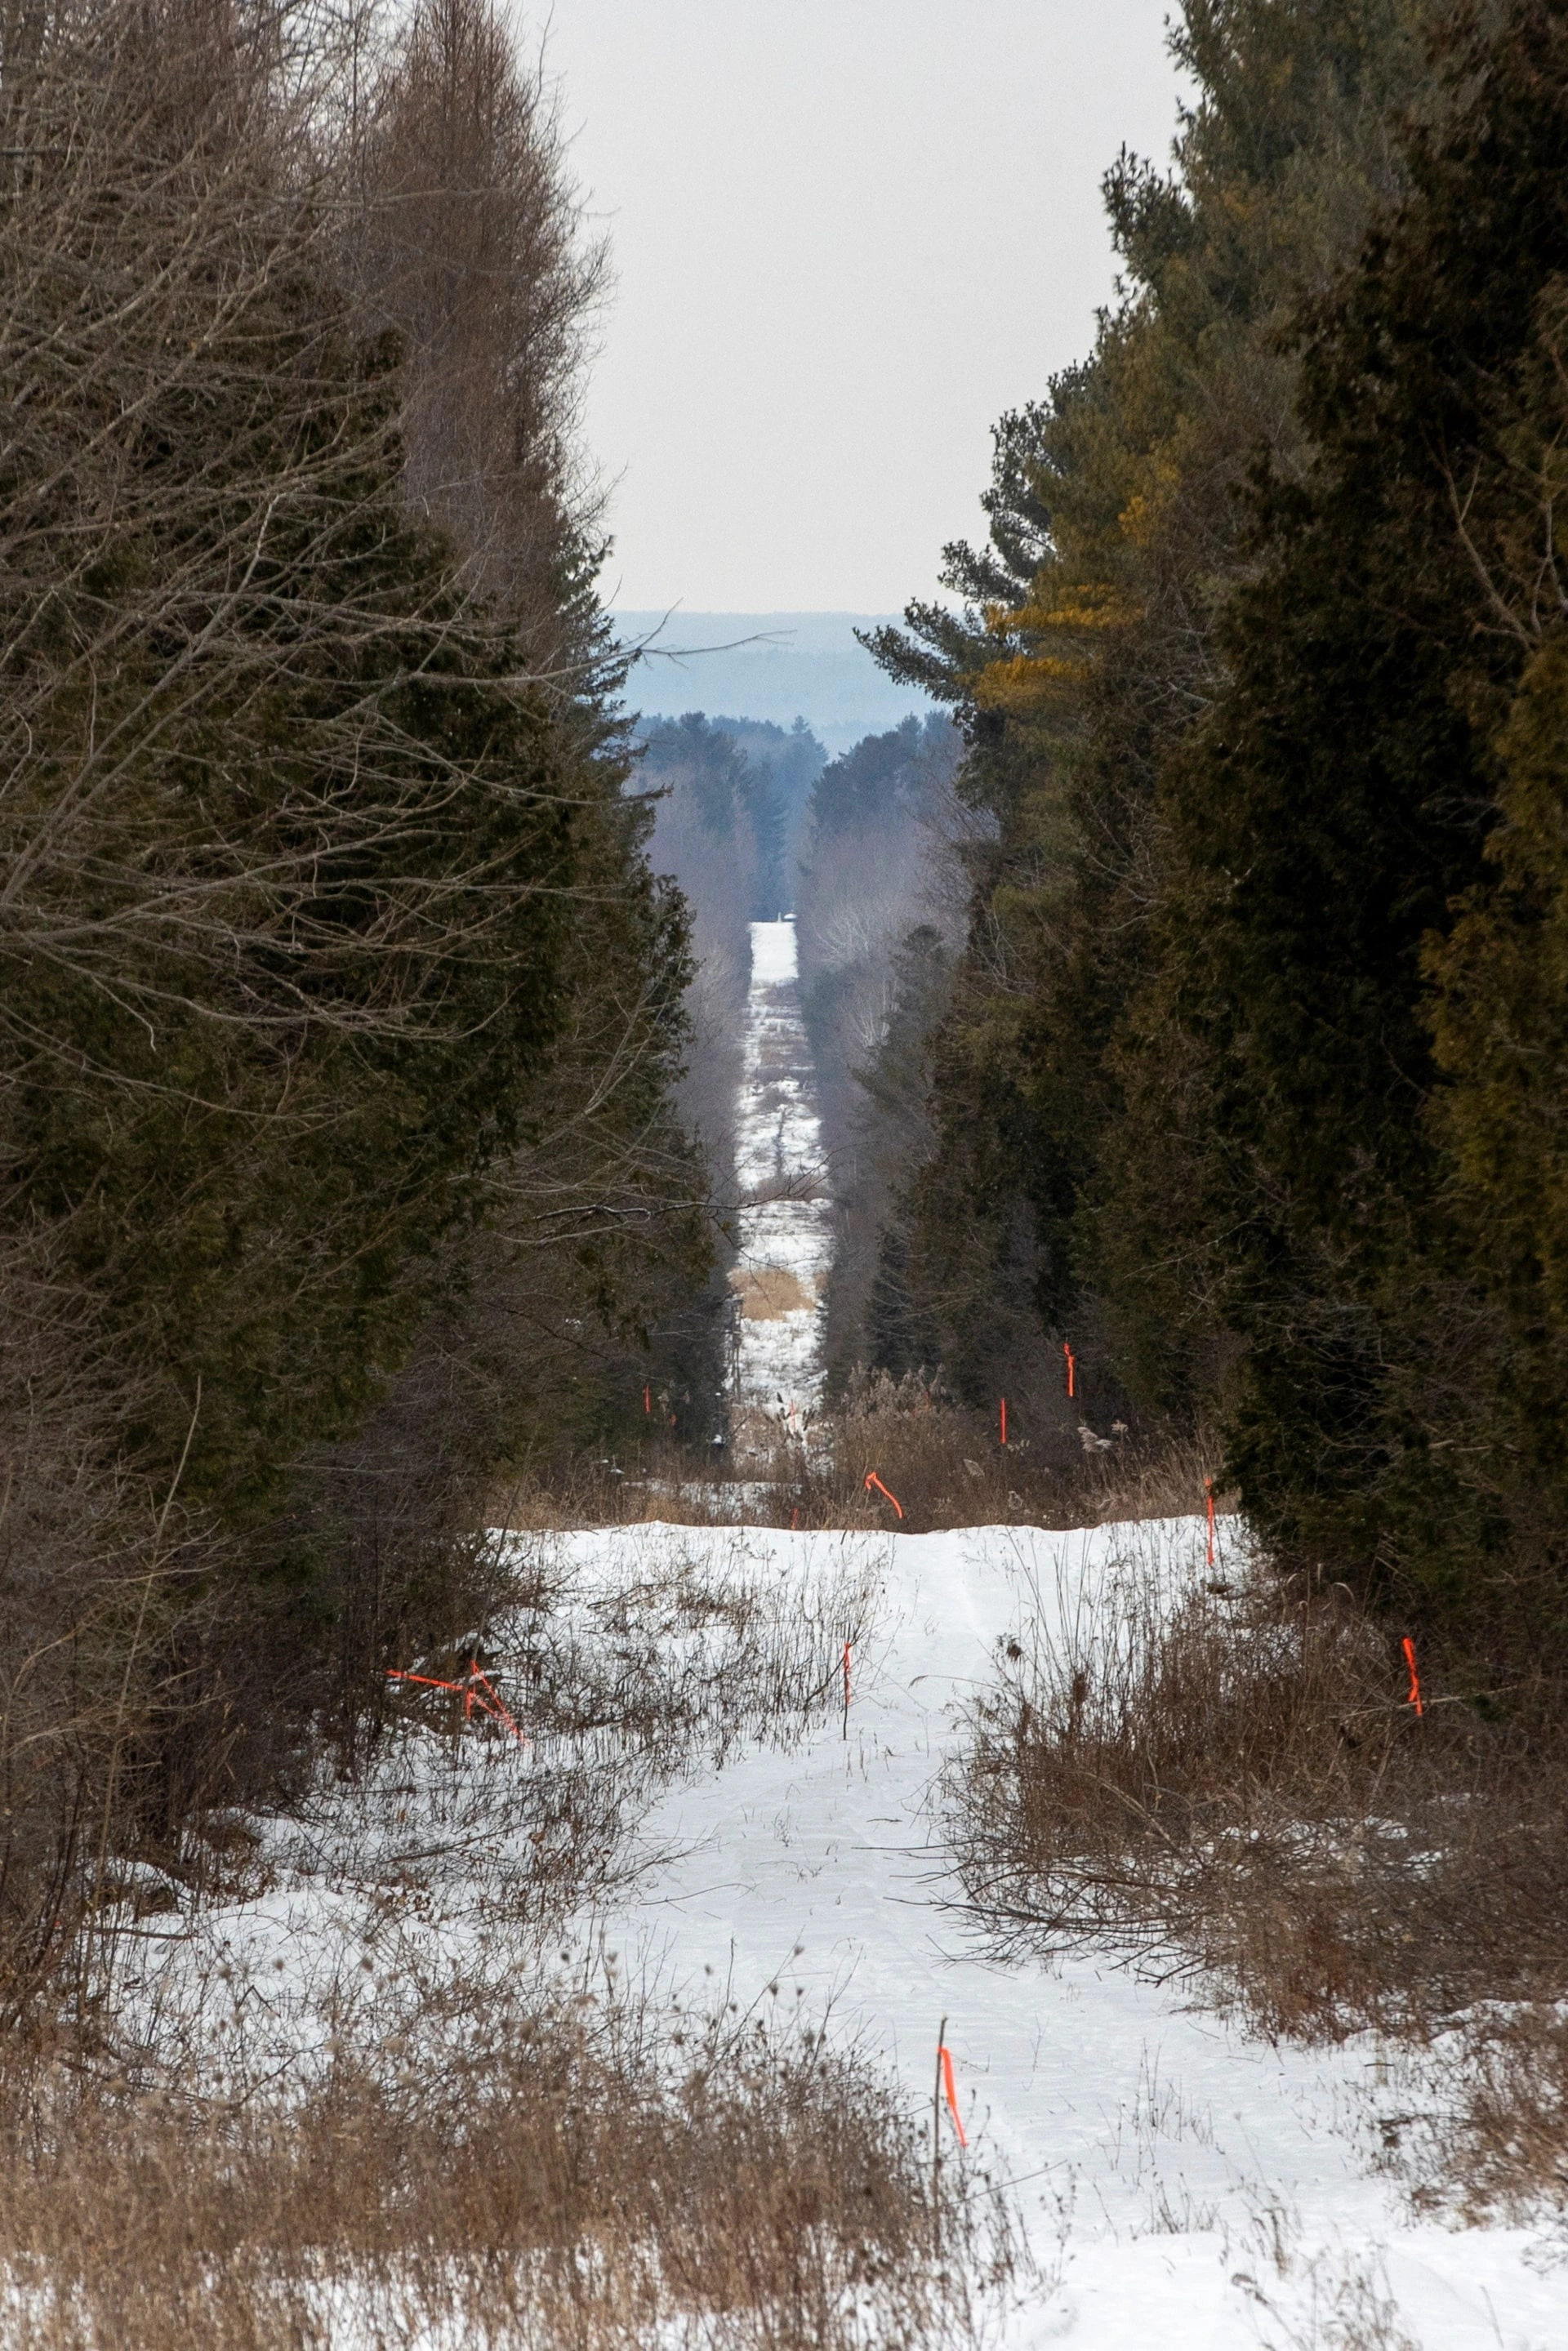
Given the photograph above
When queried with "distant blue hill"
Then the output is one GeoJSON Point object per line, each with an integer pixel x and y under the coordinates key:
{"type": "Point", "coordinates": [778, 666]}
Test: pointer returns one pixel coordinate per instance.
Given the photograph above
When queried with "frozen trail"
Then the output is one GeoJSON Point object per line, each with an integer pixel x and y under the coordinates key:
{"type": "Point", "coordinates": [1158, 2154]}
{"type": "Point", "coordinates": [785, 1236]}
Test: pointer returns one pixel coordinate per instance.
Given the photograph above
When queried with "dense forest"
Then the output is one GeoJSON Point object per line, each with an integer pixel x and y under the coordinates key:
{"type": "Point", "coordinates": [1188, 989]}
{"type": "Point", "coordinates": [1247, 1078]}
{"type": "Point", "coordinates": [881, 916]}
{"type": "Point", "coordinates": [341, 1010]}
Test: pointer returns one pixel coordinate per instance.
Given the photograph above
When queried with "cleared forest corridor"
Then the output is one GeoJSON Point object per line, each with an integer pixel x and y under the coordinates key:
{"type": "Point", "coordinates": [775, 1368]}
{"type": "Point", "coordinates": [845, 1632]}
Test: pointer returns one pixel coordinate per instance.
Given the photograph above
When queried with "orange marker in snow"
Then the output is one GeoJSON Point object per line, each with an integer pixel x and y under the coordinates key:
{"type": "Point", "coordinates": [477, 1689]}
{"type": "Point", "coordinates": [945, 2054]}
{"type": "Point", "coordinates": [1414, 1698]}
{"type": "Point", "coordinates": [873, 1479]}
{"type": "Point", "coordinates": [1004, 1424]}
{"type": "Point", "coordinates": [648, 1399]}
{"type": "Point", "coordinates": [1071, 1369]}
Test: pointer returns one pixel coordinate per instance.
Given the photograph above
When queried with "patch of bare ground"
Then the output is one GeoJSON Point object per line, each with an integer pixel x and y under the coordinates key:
{"type": "Point", "coordinates": [1224, 1778]}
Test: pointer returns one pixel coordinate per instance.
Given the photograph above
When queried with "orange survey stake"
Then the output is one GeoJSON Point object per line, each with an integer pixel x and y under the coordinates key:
{"type": "Point", "coordinates": [1071, 1369]}
{"type": "Point", "coordinates": [1004, 1424]}
{"type": "Point", "coordinates": [477, 1689]}
{"type": "Point", "coordinates": [1414, 1698]}
{"type": "Point", "coordinates": [873, 1479]}
{"type": "Point", "coordinates": [947, 2056]}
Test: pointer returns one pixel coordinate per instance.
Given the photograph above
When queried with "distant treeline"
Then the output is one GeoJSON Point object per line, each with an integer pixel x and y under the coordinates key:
{"type": "Point", "coordinates": [1250, 1077]}
{"type": "Point", "coordinates": [755, 821]}
{"type": "Point", "coordinates": [880, 921]}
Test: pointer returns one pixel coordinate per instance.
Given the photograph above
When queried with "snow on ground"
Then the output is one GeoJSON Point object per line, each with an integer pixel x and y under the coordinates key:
{"type": "Point", "coordinates": [785, 1235]}
{"type": "Point", "coordinates": [1187, 2181]}
{"type": "Point", "coordinates": [1181, 2183]}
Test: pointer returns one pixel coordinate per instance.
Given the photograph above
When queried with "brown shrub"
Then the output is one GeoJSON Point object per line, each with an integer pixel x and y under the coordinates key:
{"type": "Point", "coordinates": [944, 1463]}
{"type": "Point", "coordinates": [1499, 2142]}
{"type": "Point", "coordinates": [1231, 1778]}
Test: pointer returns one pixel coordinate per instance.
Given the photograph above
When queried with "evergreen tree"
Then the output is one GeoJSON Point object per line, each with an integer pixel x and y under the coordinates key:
{"type": "Point", "coordinates": [1391, 693]}
{"type": "Point", "coordinates": [340, 1010]}
{"type": "Point", "coordinates": [1068, 1113]}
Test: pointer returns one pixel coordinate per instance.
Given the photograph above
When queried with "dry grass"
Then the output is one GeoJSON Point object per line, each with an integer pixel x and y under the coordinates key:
{"type": "Point", "coordinates": [684, 1655]}
{"type": "Point", "coordinates": [949, 1468]}
{"type": "Point", "coordinates": [769, 1293]}
{"type": "Point", "coordinates": [1229, 1778]}
{"type": "Point", "coordinates": [517, 2173]}
{"type": "Point", "coordinates": [1497, 2145]}
{"type": "Point", "coordinates": [946, 1464]}
{"type": "Point", "coordinates": [452, 1846]}
{"type": "Point", "coordinates": [388, 2095]}
{"type": "Point", "coordinates": [1337, 2302]}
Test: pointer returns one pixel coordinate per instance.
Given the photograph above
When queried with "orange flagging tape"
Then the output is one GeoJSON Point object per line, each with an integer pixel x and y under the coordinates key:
{"type": "Point", "coordinates": [873, 1479]}
{"type": "Point", "coordinates": [1004, 1422]}
{"type": "Point", "coordinates": [1414, 1698]}
{"type": "Point", "coordinates": [1208, 1489]}
{"type": "Point", "coordinates": [947, 2056]}
{"type": "Point", "coordinates": [1071, 1369]}
{"type": "Point", "coordinates": [477, 1689]}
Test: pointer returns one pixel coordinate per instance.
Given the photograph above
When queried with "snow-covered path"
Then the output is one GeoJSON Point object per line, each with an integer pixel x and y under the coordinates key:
{"type": "Point", "coordinates": [1183, 2184]}
{"type": "Point", "coordinates": [1168, 2165]}
{"type": "Point", "coordinates": [785, 1236]}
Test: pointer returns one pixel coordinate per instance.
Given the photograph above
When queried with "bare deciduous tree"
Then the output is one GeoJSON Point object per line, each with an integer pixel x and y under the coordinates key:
{"type": "Point", "coordinates": [300, 776]}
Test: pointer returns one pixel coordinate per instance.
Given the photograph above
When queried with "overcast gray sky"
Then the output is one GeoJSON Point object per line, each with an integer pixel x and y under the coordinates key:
{"type": "Point", "coordinates": [847, 233]}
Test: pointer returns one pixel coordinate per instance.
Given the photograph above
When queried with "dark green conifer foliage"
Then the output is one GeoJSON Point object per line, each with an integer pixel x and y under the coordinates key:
{"type": "Point", "coordinates": [319, 908]}
{"type": "Point", "coordinates": [1070, 1113]}
{"type": "Point", "coordinates": [1333, 808]}
{"type": "Point", "coordinates": [259, 1069]}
